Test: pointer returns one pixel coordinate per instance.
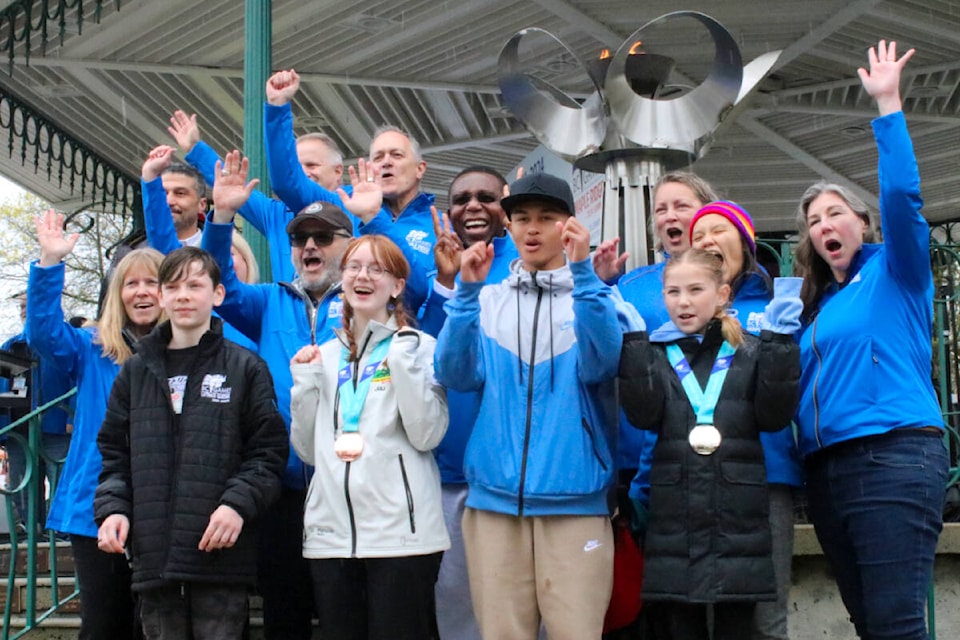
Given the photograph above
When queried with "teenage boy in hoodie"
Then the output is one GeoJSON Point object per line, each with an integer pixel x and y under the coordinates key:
{"type": "Point", "coordinates": [193, 450]}
{"type": "Point", "coordinates": [541, 461]}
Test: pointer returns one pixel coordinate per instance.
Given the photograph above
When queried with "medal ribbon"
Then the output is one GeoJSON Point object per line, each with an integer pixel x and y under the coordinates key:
{"type": "Point", "coordinates": [352, 398]}
{"type": "Point", "coordinates": [703, 401]}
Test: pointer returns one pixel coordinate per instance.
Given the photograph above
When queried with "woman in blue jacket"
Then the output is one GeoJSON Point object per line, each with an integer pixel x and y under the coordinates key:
{"type": "Point", "coordinates": [92, 356]}
{"type": "Point", "coordinates": [870, 427]}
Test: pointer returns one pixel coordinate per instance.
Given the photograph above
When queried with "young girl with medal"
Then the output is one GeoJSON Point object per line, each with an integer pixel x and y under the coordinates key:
{"type": "Point", "coordinates": [708, 390]}
{"type": "Point", "coordinates": [367, 412]}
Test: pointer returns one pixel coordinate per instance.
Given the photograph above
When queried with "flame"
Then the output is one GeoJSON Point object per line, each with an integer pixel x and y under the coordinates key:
{"type": "Point", "coordinates": [604, 54]}
{"type": "Point", "coordinates": [635, 49]}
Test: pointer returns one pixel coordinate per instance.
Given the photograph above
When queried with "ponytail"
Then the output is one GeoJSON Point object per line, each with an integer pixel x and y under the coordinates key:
{"type": "Point", "coordinates": [731, 329]}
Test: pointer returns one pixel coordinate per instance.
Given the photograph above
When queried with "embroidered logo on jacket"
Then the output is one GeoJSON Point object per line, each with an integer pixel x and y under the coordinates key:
{"type": "Point", "coordinates": [212, 387]}
{"type": "Point", "coordinates": [417, 242]}
{"type": "Point", "coordinates": [382, 374]}
{"type": "Point", "coordinates": [336, 307]}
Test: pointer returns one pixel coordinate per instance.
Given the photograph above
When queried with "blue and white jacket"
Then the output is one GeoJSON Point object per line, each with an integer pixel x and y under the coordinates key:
{"type": "Point", "coordinates": [548, 344]}
{"type": "Point", "coordinates": [866, 355]}
{"type": "Point", "coordinates": [412, 230]}
{"type": "Point", "coordinates": [280, 318]}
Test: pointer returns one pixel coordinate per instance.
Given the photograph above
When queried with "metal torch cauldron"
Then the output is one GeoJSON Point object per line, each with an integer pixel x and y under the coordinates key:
{"type": "Point", "coordinates": [623, 129]}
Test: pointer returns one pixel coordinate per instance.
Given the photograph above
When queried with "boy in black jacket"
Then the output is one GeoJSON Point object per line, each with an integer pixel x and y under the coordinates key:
{"type": "Point", "coordinates": [193, 447]}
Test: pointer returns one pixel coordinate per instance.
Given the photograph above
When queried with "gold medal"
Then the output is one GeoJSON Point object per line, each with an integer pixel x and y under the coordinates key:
{"type": "Point", "coordinates": [348, 446]}
{"type": "Point", "coordinates": [704, 439]}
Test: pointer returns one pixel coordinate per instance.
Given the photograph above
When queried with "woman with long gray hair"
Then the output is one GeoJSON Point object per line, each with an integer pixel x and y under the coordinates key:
{"type": "Point", "coordinates": [869, 424]}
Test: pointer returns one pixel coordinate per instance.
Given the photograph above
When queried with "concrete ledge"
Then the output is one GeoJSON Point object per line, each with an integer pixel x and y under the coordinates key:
{"type": "Point", "coordinates": [805, 541]}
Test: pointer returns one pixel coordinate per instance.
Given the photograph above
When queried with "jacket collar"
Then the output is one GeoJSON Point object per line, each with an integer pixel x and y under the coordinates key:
{"type": "Point", "coordinates": [554, 280]}
{"type": "Point", "coordinates": [155, 343]}
{"type": "Point", "coordinates": [867, 251]}
{"type": "Point", "coordinates": [372, 335]}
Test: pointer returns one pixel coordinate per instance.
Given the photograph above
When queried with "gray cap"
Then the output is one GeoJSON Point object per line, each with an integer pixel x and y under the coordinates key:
{"type": "Point", "coordinates": [540, 186]}
{"type": "Point", "coordinates": [329, 214]}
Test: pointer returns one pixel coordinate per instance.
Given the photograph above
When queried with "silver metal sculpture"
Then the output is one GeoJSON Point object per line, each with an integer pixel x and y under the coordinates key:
{"type": "Point", "coordinates": [621, 129]}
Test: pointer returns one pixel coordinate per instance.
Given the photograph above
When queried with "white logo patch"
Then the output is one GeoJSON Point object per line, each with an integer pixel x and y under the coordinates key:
{"type": "Point", "coordinates": [592, 545]}
{"type": "Point", "coordinates": [212, 387]}
{"type": "Point", "coordinates": [754, 322]}
{"type": "Point", "coordinates": [335, 308]}
{"type": "Point", "coordinates": [417, 242]}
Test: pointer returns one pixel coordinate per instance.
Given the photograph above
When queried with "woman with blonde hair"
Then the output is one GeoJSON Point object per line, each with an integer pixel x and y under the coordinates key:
{"type": "Point", "coordinates": [92, 355]}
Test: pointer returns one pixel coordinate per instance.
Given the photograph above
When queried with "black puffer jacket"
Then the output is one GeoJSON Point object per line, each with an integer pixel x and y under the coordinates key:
{"type": "Point", "coordinates": [230, 448]}
{"type": "Point", "coordinates": [709, 535]}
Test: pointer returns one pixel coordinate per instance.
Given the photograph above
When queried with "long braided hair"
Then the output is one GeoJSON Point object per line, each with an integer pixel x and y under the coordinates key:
{"type": "Point", "coordinates": [387, 255]}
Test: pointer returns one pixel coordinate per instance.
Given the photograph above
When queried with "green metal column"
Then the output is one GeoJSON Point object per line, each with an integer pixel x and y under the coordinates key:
{"type": "Point", "coordinates": [256, 69]}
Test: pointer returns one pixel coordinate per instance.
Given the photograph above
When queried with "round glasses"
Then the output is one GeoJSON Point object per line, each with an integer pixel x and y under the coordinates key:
{"type": "Point", "coordinates": [353, 269]}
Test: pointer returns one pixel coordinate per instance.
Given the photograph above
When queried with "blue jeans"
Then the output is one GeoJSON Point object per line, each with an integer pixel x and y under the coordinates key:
{"type": "Point", "coordinates": [877, 507]}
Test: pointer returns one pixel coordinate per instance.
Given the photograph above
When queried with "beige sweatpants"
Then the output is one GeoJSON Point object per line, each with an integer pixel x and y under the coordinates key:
{"type": "Point", "coordinates": [559, 568]}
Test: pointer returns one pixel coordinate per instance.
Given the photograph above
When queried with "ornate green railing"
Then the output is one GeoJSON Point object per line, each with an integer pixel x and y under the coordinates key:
{"type": "Point", "coordinates": [33, 452]}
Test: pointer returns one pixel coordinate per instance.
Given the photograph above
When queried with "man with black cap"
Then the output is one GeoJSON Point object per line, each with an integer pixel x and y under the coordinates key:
{"type": "Point", "coordinates": [280, 318]}
{"type": "Point", "coordinates": [541, 461]}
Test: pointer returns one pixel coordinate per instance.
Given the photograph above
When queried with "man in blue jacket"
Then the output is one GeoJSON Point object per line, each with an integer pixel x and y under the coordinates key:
{"type": "Point", "coordinates": [318, 156]}
{"type": "Point", "coordinates": [542, 349]}
{"type": "Point", "coordinates": [397, 165]}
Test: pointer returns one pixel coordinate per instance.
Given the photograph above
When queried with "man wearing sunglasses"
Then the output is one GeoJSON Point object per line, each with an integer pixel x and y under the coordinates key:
{"type": "Point", "coordinates": [280, 318]}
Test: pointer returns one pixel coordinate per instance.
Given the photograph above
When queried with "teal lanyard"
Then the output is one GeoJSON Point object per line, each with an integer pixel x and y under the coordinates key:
{"type": "Point", "coordinates": [352, 398]}
{"type": "Point", "coordinates": [703, 401]}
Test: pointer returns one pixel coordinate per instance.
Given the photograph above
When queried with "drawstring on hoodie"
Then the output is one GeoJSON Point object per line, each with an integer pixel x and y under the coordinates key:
{"type": "Point", "coordinates": [549, 291]}
{"type": "Point", "coordinates": [519, 352]}
{"type": "Point", "coordinates": [550, 302]}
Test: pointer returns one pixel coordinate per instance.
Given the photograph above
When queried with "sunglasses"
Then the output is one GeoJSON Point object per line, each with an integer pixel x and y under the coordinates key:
{"type": "Point", "coordinates": [320, 238]}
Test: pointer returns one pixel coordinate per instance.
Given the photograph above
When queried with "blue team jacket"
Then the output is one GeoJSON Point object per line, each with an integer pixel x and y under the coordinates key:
{"type": "Point", "coordinates": [866, 356]}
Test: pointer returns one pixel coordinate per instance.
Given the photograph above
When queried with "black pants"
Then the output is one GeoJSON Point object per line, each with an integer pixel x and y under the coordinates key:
{"type": "Point", "coordinates": [106, 603]}
{"type": "Point", "coordinates": [195, 611]}
{"type": "Point", "coordinates": [377, 598]}
{"type": "Point", "coordinates": [678, 621]}
{"type": "Point", "coordinates": [283, 576]}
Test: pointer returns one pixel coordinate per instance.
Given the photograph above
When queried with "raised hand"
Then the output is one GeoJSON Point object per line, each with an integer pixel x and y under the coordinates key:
{"type": "Point", "coordinates": [308, 354]}
{"type": "Point", "coordinates": [367, 197]}
{"type": "Point", "coordinates": [575, 238]}
{"type": "Point", "coordinates": [447, 250]}
{"type": "Point", "coordinates": [882, 81]}
{"type": "Point", "coordinates": [230, 187]}
{"type": "Point", "coordinates": [282, 86]}
{"type": "Point", "coordinates": [606, 263]}
{"type": "Point", "coordinates": [54, 245]}
{"type": "Point", "coordinates": [475, 262]}
{"type": "Point", "coordinates": [157, 162]}
{"type": "Point", "coordinates": [184, 130]}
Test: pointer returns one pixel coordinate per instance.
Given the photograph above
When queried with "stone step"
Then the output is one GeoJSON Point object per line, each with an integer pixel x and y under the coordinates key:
{"type": "Point", "coordinates": [64, 558]}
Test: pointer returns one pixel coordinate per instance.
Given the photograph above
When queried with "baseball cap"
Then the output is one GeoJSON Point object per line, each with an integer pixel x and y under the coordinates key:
{"type": "Point", "coordinates": [539, 186]}
{"type": "Point", "coordinates": [329, 214]}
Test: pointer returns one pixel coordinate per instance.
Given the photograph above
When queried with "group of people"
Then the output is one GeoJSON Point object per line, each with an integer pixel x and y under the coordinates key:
{"type": "Point", "coordinates": [414, 431]}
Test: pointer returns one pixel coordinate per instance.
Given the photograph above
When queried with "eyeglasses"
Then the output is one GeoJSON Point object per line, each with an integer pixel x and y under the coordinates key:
{"type": "Point", "coordinates": [320, 238]}
{"type": "Point", "coordinates": [353, 269]}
